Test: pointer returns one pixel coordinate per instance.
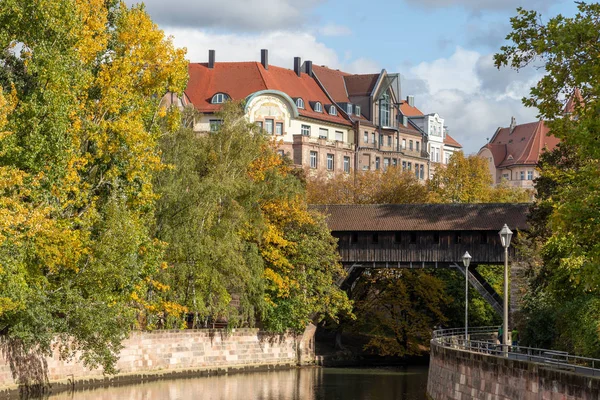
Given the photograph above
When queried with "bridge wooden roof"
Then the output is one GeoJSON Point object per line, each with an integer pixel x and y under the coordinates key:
{"type": "Point", "coordinates": [424, 217]}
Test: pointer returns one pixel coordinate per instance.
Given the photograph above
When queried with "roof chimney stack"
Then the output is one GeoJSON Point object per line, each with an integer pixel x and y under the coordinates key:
{"type": "Point", "coordinates": [410, 100]}
{"type": "Point", "coordinates": [297, 65]}
{"type": "Point", "coordinates": [308, 68]}
{"type": "Point", "coordinates": [211, 59]}
{"type": "Point", "coordinates": [264, 58]}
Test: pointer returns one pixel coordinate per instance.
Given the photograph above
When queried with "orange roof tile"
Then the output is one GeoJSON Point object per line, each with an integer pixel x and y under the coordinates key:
{"type": "Point", "coordinates": [409, 111]}
{"type": "Point", "coordinates": [333, 81]}
{"type": "Point", "coordinates": [360, 85]}
{"type": "Point", "coordinates": [522, 146]}
{"type": "Point", "coordinates": [241, 79]}
{"type": "Point", "coordinates": [449, 140]}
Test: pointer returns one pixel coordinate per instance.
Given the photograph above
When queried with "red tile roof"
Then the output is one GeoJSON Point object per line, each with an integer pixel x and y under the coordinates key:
{"type": "Point", "coordinates": [522, 146]}
{"type": "Point", "coordinates": [449, 140]}
{"type": "Point", "coordinates": [361, 85]}
{"type": "Point", "coordinates": [409, 111]}
{"type": "Point", "coordinates": [333, 81]}
{"type": "Point", "coordinates": [424, 217]}
{"type": "Point", "coordinates": [241, 79]}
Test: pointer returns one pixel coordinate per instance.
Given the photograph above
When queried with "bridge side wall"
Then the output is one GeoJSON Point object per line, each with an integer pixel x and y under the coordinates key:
{"type": "Point", "coordinates": [456, 374]}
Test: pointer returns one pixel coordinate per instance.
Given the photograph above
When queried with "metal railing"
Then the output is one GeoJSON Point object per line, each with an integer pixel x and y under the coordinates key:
{"type": "Point", "coordinates": [484, 340]}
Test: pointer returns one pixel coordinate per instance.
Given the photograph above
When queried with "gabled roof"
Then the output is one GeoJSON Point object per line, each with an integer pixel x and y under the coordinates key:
{"type": "Point", "coordinates": [333, 81]}
{"type": "Point", "coordinates": [449, 141]}
{"type": "Point", "coordinates": [409, 111]}
{"type": "Point", "coordinates": [361, 85]}
{"type": "Point", "coordinates": [521, 146]}
{"type": "Point", "coordinates": [241, 79]}
{"type": "Point", "coordinates": [424, 217]}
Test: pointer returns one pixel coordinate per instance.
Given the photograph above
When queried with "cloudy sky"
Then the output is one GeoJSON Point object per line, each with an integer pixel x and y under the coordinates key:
{"type": "Point", "coordinates": [442, 48]}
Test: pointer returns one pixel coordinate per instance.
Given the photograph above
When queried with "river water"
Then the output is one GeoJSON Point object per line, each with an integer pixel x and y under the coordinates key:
{"type": "Point", "coordinates": [296, 384]}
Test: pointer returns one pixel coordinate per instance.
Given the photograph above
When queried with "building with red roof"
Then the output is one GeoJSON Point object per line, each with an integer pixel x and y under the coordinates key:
{"type": "Point", "coordinates": [514, 152]}
{"type": "Point", "coordinates": [372, 103]}
{"type": "Point", "coordinates": [288, 104]}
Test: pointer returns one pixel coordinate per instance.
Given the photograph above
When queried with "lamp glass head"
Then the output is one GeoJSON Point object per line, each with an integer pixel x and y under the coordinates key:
{"type": "Point", "coordinates": [466, 259]}
{"type": "Point", "coordinates": [505, 236]}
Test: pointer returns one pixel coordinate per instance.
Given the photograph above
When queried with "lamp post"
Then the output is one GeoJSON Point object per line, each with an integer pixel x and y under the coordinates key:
{"type": "Point", "coordinates": [505, 236]}
{"type": "Point", "coordinates": [466, 261]}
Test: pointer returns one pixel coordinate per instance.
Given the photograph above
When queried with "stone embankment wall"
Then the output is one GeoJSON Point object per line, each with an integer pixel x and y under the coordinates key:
{"type": "Point", "coordinates": [456, 374]}
{"type": "Point", "coordinates": [153, 355]}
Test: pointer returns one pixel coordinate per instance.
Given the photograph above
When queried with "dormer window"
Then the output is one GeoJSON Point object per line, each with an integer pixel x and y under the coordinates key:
{"type": "Point", "coordinates": [357, 110]}
{"type": "Point", "coordinates": [318, 107]}
{"type": "Point", "coordinates": [299, 103]}
{"type": "Point", "coordinates": [219, 98]}
{"type": "Point", "coordinates": [332, 110]}
{"type": "Point", "coordinates": [349, 108]}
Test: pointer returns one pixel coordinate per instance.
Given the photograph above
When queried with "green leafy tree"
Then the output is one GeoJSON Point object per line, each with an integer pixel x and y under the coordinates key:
{"type": "Point", "coordinates": [80, 83]}
{"type": "Point", "coordinates": [564, 236]}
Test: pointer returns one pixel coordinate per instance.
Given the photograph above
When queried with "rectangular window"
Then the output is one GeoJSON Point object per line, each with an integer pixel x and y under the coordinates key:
{"type": "Point", "coordinates": [259, 124]}
{"type": "Point", "coordinates": [417, 170]}
{"type": "Point", "coordinates": [279, 128]}
{"type": "Point", "coordinates": [349, 108]}
{"type": "Point", "coordinates": [269, 126]}
{"type": "Point", "coordinates": [330, 163]}
{"type": "Point", "coordinates": [389, 140]}
{"type": "Point", "coordinates": [339, 136]}
{"type": "Point", "coordinates": [305, 130]}
{"type": "Point", "coordinates": [458, 238]}
{"type": "Point", "coordinates": [505, 176]}
{"type": "Point", "coordinates": [386, 163]}
{"type": "Point", "coordinates": [323, 133]}
{"type": "Point", "coordinates": [366, 137]}
{"type": "Point", "coordinates": [410, 145]}
{"type": "Point", "coordinates": [215, 124]}
{"type": "Point", "coordinates": [417, 144]}
{"type": "Point", "coordinates": [422, 171]}
{"type": "Point", "coordinates": [281, 153]}
{"type": "Point", "coordinates": [394, 162]}
{"type": "Point", "coordinates": [373, 138]}
{"type": "Point", "coordinates": [522, 175]}
{"type": "Point", "coordinates": [347, 165]}
{"type": "Point", "coordinates": [313, 159]}
{"type": "Point", "coordinates": [357, 110]}
{"type": "Point", "coordinates": [376, 162]}
{"type": "Point", "coordinates": [530, 175]}
{"type": "Point", "coordinates": [403, 165]}
{"type": "Point", "coordinates": [410, 166]}
{"type": "Point", "coordinates": [403, 144]}
{"type": "Point", "coordinates": [446, 158]}
{"type": "Point", "coordinates": [483, 238]}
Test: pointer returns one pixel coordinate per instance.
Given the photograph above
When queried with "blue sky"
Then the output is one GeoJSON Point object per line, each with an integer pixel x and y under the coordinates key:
{"type": "Point", "coordinates": [442, 48]}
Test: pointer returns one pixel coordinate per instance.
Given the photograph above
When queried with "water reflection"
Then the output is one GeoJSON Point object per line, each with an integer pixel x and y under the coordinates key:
{"type": "Point", "coordinates": [297, 384]}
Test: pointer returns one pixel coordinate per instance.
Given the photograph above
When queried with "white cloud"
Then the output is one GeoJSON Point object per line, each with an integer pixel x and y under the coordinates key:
{"type": "Point", "coordinates": [283, 46]}
{"type": "Point", "coordinates": [334, 30]}
{"type": "Point", "coordinates": [472, 96]}
{"type": "Point", "coordinates": [236, 15]}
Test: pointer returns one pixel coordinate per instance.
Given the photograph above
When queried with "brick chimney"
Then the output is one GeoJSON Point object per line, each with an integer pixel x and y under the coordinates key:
{"type": "Point", "coordinates": [211, 59]}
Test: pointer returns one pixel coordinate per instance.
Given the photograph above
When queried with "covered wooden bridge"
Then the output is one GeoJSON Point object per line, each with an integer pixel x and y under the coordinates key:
{"type": "Point", "coordinates": [424, 236]}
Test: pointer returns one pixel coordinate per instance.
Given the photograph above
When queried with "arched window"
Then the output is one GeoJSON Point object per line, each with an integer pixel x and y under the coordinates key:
{"type": "Point", "coordinates": [219, 98]}
{"type": "Point", "coordinates": [332, 110]}
{"type": "Point", "coordinates": [318, 107]}
{"type": "Point", "coordinates": [299, 103]}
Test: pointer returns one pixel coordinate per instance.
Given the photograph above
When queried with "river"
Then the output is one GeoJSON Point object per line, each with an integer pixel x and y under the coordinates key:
{"type": "Point", "coordinates": [296, 384]}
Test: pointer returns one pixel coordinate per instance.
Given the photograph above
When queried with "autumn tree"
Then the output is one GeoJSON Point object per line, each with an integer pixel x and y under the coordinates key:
{"type": "Point", "coordinates": [565, 279]}
{"type": "Point", "coordinates": [79, 108]}
{"type": "Point", "coordinates": [236, 220]}
{"type": "Point", "coordinates": [389, 186]}
{"type": "Point", "coordinates": [398, 309]}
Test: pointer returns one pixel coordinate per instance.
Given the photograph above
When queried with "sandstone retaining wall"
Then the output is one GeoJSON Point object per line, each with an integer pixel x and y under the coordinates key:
{"type": "Point", "coordinates": [461, 375]}
{"type": "Point", "coordinates": [151, 355]}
